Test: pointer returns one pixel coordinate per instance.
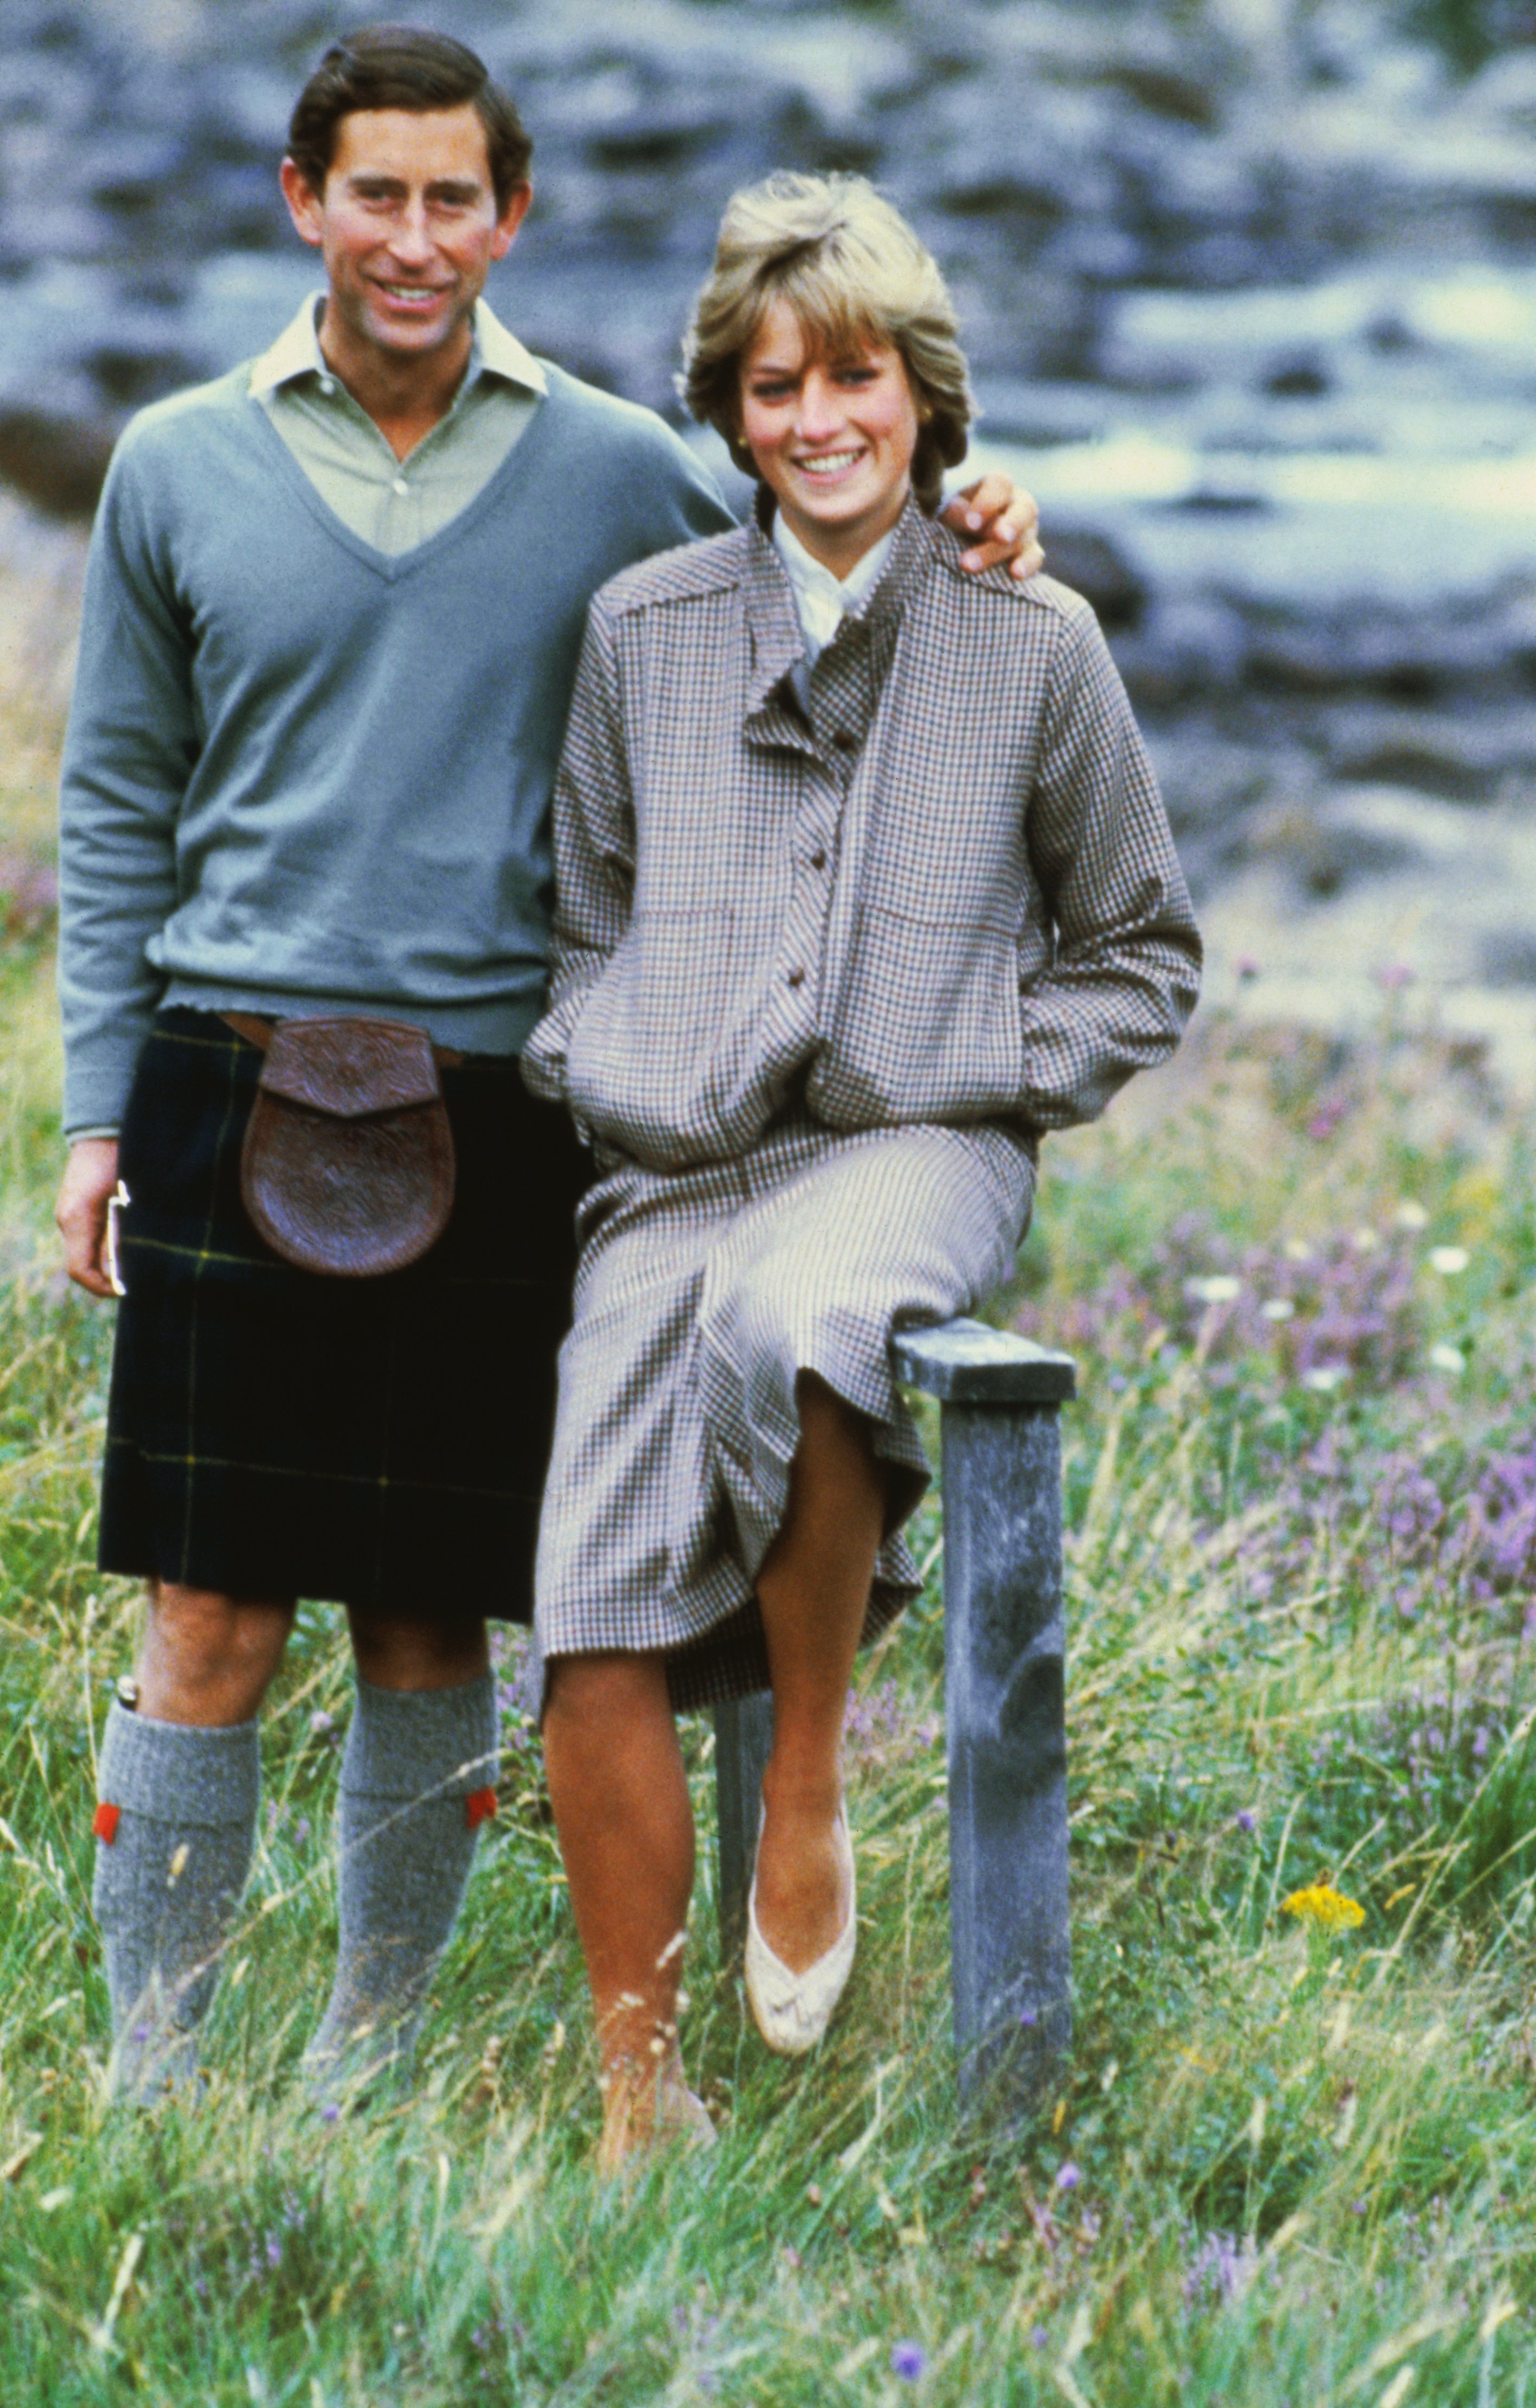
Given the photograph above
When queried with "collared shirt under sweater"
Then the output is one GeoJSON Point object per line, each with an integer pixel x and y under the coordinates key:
{"type": "Point", "coordinates": [393, 504]}
{"type": "Point", "coordinates": [305, 774]}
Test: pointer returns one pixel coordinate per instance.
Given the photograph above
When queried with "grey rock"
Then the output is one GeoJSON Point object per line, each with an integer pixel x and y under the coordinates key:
{"type": "Point", "coordinates": [1088, 562]}
{"type": "Point", "coordinates": [57, 460]}
{"type": "Point", "coordinates": [1463, 755]}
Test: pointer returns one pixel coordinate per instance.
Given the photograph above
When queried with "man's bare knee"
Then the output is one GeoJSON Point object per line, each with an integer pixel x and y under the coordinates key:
{"type": "Point", "coordinates": [395, 1652]}
{"type": "Point", "coordinates": [208, 1658]}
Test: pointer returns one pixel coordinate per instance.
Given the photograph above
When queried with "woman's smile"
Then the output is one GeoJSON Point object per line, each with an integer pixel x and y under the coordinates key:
{"type": "Point", "coordinates": [832, 438]}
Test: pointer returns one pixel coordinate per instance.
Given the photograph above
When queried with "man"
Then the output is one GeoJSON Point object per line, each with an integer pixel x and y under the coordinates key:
{"type": "Point", "coordinates": [332, 615]}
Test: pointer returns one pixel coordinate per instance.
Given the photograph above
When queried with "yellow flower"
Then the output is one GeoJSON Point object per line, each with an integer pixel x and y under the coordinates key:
{"type": "Point", "coordinates": [1325, 1905]}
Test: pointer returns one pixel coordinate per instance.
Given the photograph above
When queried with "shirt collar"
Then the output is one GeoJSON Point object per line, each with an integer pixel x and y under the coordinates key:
{"type": "Point", "coordinates": [495, 350]}
{"type": "Point", "coordinates": [811, 579]}
{"type": "Point", "coordinates": [502, 356]}
{"type": "Point", "coordinates": [297, 351]}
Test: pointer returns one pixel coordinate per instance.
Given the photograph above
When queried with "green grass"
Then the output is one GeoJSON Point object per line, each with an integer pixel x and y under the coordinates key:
{"type": "Point", "coordinates": [1296, 2168]}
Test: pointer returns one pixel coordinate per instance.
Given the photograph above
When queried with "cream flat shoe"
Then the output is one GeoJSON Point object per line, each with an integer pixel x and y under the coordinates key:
{"type": "Point", "coordinates": [791, 2011]}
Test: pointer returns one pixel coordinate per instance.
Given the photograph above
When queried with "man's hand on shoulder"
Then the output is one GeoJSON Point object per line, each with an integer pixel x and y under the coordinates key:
{"type": "Point", "coordinates": [1006, 520]}
{"type": "Point", "coordinates": [89, 1182]}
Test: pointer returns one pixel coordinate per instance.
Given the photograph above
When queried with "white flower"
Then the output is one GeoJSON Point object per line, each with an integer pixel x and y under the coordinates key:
{"type": "Point", "coordinates": [1296, 1250]}
{"type": "Point", "coordinates": [1366, 1241]}
{"type": "Point", "coordinates": [1219, 1290]}
{"type": "Point", "coordinates": [1447, 1359]}
{"type": "Point", "coordinates": [1325, 1377]}
{"type": "Point", "coordinates": [1277, 1307]}
{"type": "Point", "coordinates": [1409, 1215]}
{"type": "Point", "coordinates": [1448, 1260]}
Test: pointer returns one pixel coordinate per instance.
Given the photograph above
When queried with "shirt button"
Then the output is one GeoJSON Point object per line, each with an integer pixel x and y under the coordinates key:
{"type": "Point", "coordinates": [400, 485]}
{"type": "Point", "coordinates": [844, 741]}
{"type": "Point", "coordinates": [818, 861]}
{"type": "Point", "coordinates": [327, 385]}
{"type": "Point", "coordinates": [797, 978]}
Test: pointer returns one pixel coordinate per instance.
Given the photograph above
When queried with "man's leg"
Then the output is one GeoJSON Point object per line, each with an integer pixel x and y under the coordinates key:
{"type": "Point", "coordinates": [418, 1776]}
{"type": "Point", "coordinates": [179, 1780]}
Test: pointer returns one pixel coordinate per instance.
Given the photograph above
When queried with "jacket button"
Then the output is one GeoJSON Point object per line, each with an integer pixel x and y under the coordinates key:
{"type": "Point", "coordinates": [818, 861]}
{"type": "Point", "coordinates": [797, 978]}
{"type": "Point", "coordinates": [844, 741]}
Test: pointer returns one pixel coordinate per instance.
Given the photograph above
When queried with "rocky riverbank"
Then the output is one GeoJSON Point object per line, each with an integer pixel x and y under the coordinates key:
{"type": "Point", "coordinates": [1247, 295]}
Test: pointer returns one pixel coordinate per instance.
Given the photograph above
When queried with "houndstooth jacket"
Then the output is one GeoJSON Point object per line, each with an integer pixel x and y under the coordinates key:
{"type": "Point", "coordinates": [945, 892]}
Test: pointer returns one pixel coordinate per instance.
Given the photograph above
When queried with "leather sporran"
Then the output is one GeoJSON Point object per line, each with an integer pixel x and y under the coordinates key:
{"type": "Point", "coordinates": [347, 1166]}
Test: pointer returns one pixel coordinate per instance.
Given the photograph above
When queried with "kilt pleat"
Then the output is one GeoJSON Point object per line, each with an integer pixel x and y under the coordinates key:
{"type": "Point", "coordinates": [273, 1432]}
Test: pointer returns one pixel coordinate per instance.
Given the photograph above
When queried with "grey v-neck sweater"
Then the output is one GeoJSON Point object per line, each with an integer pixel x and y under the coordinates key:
{"type": "Point", "coordinates": [302, 776]}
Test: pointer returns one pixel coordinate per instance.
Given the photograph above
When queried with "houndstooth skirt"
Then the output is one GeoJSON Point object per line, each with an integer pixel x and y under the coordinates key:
{"type": "Point", "coordinates": [701, 1295]}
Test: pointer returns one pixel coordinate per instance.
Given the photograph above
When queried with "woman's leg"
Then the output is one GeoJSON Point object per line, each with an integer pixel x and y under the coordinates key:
{"type": "Point", "coordinates": [626, 1834]}
{"type": "Point", "coordinates": [814, 1590]}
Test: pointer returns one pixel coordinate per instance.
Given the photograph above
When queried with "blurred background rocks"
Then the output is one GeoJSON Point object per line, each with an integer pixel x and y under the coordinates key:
{"type": "Point", "coordinates": [1249, 289]}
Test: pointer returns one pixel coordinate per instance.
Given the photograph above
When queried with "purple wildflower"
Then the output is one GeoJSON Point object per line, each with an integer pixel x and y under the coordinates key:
{"type": "Point", "coordinates": [1068, 2176]}
{"type": "Point", "coordinates": [881, 1729]}
{"type": "Point", "coordinates": [139, 2034]}
{"type": "Point", "coordinates": [1246, 1819]}
{"type": "Point", "coordinates": [330, 2113]}
{"type": "Point", "coordinates": [1038, 2338]}
{"type": "Point", "coordinates": [1221, 2269]}
{"type": "Point", "coordinates": [321, 1724]}
{"type": "Point", "coordinates": [519, 1695]}
{"type": "Point", "coordinates": [907, 2361]}
{"type": "Point", "coordinates": [1029, 2018]}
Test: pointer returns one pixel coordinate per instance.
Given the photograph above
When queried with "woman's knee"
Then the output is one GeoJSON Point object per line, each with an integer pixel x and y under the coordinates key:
{"type": "Point", "coordinates": [601, 1688]}
{"type": "Point", "coordinates": [826, 1415]}
{"type": "Point", "coordinates": [837, 1440]}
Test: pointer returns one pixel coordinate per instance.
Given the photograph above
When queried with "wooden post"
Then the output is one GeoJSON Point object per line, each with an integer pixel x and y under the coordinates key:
{"type": "Point", "coordinates": [1004, 1637]}
{"type": "Point", "coordinates": [743, 1734]}
{"type": "Point", "coordinates": [1004, 1715]}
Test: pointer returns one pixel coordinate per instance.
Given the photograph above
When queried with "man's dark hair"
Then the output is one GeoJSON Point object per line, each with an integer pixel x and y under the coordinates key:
{"type": "Point", "coordinates": [402, 67]}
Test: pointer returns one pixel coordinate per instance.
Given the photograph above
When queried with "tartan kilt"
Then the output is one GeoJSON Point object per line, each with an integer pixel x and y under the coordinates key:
{"type": "Point", "coordinates": [276, 1433]}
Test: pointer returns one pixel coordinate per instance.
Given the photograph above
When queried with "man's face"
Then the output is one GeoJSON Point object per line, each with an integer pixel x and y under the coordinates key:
{"type": "Point", "coordinates": [408, 226]}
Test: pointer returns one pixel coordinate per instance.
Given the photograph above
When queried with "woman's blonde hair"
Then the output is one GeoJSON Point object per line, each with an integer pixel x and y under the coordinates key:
{"type": "Point", "coordinates": [849, 266]}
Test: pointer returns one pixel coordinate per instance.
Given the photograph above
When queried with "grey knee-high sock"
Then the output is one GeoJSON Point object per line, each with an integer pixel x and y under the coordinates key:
{"type": "Point", "coordinates": [175, 1826]}
{"type": "Point", "coordinates": [416, 1779]}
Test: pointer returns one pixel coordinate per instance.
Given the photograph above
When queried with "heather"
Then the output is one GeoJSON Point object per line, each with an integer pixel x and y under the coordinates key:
{"type": "Point", "coordinates": [1291, 2157]}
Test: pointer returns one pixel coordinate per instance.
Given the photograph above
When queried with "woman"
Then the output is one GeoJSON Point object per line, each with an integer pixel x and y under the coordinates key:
{"type": "Point", "coordinates": [827, 961]}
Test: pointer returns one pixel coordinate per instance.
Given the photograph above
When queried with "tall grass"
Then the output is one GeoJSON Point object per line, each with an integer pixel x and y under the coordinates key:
{"type": "Point", "coordinates": [1287, 2164]}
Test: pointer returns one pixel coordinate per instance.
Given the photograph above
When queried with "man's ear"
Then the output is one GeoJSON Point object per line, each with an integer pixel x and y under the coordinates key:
{"type": "Point", "coordinates": [512, 217]}
{"type": "Point", "coordinates": [305, 204]}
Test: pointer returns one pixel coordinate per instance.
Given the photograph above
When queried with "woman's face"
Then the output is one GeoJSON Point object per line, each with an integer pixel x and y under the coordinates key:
{"type": "Point", "coordinates": [832, 438]}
